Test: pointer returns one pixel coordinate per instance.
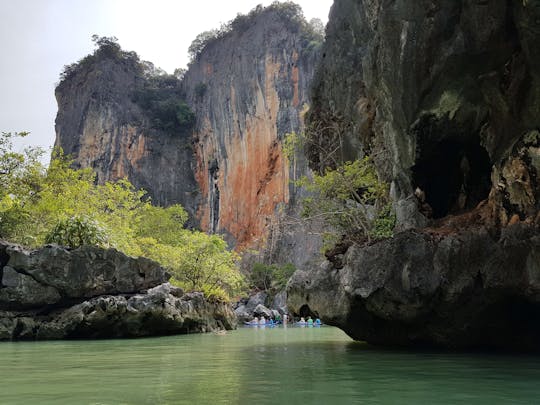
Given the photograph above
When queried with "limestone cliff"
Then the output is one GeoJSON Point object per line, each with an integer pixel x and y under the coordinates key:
{"type": "Point", "coordinates": [445, 95]}
{"type": "Point", "coordinates": [248, 87]}
{"type": "Point", "coordinates": [102, 124]}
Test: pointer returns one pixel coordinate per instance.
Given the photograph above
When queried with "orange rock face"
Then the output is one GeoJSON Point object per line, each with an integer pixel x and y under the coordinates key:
{"type": "Point", "coordinates": [254, 178]}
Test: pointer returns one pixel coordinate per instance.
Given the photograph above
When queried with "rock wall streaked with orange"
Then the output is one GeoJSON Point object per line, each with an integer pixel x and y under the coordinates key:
{"type": "Point", "coordinates": [255, 175]}
{"type": "Point", "coordinates": [254, 96]}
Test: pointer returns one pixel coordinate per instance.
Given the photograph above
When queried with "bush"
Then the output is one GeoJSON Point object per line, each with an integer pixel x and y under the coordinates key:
{"type": "Point", "coordinates": [271, 276]}
{"type": "Point", "coordinates": [77, 231]}
{"type": "Point", "coordinates": [351, 200]}
{"type": "Point", "coordinates": [200, 90]}
{"type": "Point", "coordinates": [161, 97]}
{"type": "Point", "coordinates": [106, 47]}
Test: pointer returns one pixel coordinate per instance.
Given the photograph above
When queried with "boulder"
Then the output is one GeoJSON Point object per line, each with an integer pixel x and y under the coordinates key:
{"type": "Point", "coordinates": [256, 300]}
{"type": "Point", "coordinates": [242, 314]}
{"type": "Point", "coordinates": [163, 310]}
{"type": "Point", "coordinates": [58, 293]}
{"type": "Point", "coordinates": [280, 302]}
{"type": "Point", "coordinates": [84, 272]}
{"type": "Point", "coordinates": [261, 310]}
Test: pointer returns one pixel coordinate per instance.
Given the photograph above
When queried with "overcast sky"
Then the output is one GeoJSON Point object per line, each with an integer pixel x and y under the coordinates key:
{"type": "Point", "coordinates": [39, 37]}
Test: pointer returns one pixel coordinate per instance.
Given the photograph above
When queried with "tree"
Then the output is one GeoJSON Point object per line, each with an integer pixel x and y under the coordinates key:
{"type": "Point", "coordinates": [352, 200]}
{"type": "Point", "coordinates": [317, 26]}
{"type": "Point", "coordinates": [348, 197]}
{"type": "Point", "coordinates": [200, 42]}
{"type": "Point", "coordinates": [271, 276]}
{"type": "Point", "coordinates": [77, 231]}
{"type": "Point", "coordinates": [20, 175]}
{"type": "Point", "coordinates": [197, 262]}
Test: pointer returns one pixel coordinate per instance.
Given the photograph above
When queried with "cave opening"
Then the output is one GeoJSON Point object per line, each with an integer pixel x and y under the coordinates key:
{"type": "Point", "coordinates": [451, 176]}
{"type": "Point", "coordinates": [306, 311]}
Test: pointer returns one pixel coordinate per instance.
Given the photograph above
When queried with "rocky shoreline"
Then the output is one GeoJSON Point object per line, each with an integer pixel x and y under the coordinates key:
{"type": "Point", "coordinates": [89, 292]}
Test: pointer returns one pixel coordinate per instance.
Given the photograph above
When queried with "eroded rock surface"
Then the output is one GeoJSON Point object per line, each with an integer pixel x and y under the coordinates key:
{"type": "Point", "coordinates": [55, 293]}
{"type": "Point", "coordinates": [445, 96]}
{"type": "Point", "coordinates": [470, 289]}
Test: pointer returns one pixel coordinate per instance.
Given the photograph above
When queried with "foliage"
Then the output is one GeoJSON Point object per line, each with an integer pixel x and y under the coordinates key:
{"type": "Point", "coordinates": [197, 262]}
{"type": "Point", "coordinates": [293, 144]}
{"type": "Point", "coordinates": [65, 206]}
{"type": "Point", "coordinates": [317, 26]}
{"type": "Point", "coordinates": [106, 47]}
{"type": "Point", "coordinates": [161, 97]}
{"type": "Point", "coordinates": [384, 224]}
{"type": "Point", "coordinates": [77, 231]}
{"type": "Point", "coordinates": [351, 199]}
{"type": "Point", "coordinates": [201, 41]}
{"type": "Point", "coordinates": [20, 175]}
{"type": "Point", "coordinates": [271, 276]}
{"type": "Point", "coordinates": [200, 90]}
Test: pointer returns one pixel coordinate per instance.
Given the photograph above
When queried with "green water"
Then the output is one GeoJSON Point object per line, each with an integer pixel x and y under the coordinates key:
{"type": "Point", "coordinates": [258, 366]}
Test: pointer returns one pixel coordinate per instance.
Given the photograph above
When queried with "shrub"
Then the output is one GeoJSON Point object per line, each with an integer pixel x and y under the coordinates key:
{"type": "Point", "coordinates": [200, 90]}
{"type": "Point", "coordinates": [351, 200]}
{"type": "Point", "coordinates": [271, 276]}
{"type": "Point", "coordinates": [160, 96]}
{"type": "Point", "coordinates": [77, 231]}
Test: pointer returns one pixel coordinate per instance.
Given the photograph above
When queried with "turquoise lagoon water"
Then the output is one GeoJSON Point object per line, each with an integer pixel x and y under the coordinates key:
{"type": "Point", "coordinates": [258, 366]}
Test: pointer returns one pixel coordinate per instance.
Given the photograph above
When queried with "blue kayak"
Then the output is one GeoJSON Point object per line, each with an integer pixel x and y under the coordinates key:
{"type": "Point", "coordinates": [261, 324]}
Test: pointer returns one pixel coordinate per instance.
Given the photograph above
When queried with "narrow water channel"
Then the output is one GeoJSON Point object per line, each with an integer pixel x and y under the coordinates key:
{"type": "Point", "coordinates": [257, 366]}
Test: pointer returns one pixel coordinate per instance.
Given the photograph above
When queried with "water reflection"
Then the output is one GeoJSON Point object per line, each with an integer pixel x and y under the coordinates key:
{"type": "Point", "coordinates": [257, 365]}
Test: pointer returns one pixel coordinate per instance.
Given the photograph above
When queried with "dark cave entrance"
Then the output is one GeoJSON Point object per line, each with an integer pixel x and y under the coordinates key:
{"type": "Point", "coordinates": [453, 176]}
{"type": "Point", "coordinates": [306, 311]}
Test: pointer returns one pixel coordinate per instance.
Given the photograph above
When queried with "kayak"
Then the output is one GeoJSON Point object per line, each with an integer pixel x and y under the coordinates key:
{"type": "Point", "coordinates": [308, 324]}
{"type": "Point", "coordinates": [261, 324]}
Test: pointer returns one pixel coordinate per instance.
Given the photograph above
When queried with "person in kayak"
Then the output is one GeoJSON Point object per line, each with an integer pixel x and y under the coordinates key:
{"type": "Point", "coordinates": [318, 322]}
{"type": "Point", "coordinates": [309, 321]}
{"type": "Point", "coordinates": [262, 321]}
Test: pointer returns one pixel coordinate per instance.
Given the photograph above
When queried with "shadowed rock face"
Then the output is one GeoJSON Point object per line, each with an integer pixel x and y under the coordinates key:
{"type": "Point", "coordinates": [439, 91]}
{"type": "Point", "coordinates": [445, 96]}
{"type": "Point", "coordinates": [54, 293]}
{"type": "Point", "coordinates": [470, 289]}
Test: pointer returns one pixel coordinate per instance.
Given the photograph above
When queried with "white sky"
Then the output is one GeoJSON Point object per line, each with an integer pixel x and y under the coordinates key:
{"type": "Point", "coordinates": [39, 37]}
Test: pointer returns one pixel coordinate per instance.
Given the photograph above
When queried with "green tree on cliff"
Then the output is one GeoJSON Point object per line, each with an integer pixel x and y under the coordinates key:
{"type": "Point", "coordinates": [349, 197]}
